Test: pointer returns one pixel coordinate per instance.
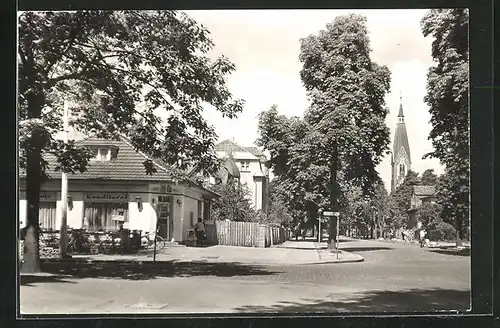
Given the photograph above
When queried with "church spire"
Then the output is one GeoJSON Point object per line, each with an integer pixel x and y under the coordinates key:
{"type": "Point", "coordinates": [401, 163]}
{"type": "Point", "coordinates": [400, 105]}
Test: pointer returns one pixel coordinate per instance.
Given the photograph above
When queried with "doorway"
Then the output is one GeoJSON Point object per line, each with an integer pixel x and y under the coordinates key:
{"type": "Point", "coordinates": [165, 219]}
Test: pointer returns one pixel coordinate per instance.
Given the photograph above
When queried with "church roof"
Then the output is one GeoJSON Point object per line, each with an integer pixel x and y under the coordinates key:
{"type": "Point", "coordinates": [401, 137]}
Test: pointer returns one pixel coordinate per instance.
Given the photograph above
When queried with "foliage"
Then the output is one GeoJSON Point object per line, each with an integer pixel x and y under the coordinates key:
{"type": "Point", "coordinates": [342, 136]}
{"type": "Point", "coordinates": [347, 90]}
{"type": "Point", "coordinates": [402, 194]}
{"type": "Point", "coordinates": [118, 69]}
{"type": "Point", "coordinates": [453, 196]}
{"type": "Point", "coordinates": [234, 203]}
{"type": "Point", "coordinates": [448, 99]}
{"type": "Point", "coordinates": [429, 178]}
{"type": "Point", "coordinates": [278, 214]}
{"type": "Point", "coordinates": [429, 213]}
{"type": "Point", "coordinates": [441, 231]}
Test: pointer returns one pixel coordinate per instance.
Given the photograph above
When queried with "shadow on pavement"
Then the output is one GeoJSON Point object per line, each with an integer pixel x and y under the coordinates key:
{"type": "Point", "coordinates": [462, 252]}
{"type": "Point", "coordinates": [29, 280]}
{"type": "Point", "coordinates": [365, 249]}
{"type": "Point", "coordinates": [413, 300]}
{"type": "Point", "coordinates": [137, 271]}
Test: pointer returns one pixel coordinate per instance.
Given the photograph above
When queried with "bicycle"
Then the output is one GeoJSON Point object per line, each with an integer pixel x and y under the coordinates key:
{"type": "Point", "coordinates": [148, 239]}
{"type": "Point", "coordinates": [110, 243]}
{"type": "Point", "coordinates": [78, 242]}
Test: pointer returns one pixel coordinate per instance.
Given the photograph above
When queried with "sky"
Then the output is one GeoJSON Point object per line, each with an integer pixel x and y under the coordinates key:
{"type": "Point", "coordinates": [264, 45]}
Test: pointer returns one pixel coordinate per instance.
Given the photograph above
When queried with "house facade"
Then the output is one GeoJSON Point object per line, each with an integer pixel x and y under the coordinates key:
{"type": "Point", "coordinates": [421, 195]}
{"type": "Point", "coordinates": [117, 188]}
{"type": "Point", "coordinates": [253, 172]}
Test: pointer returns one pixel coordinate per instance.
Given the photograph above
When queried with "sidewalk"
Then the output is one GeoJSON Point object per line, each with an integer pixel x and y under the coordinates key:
{"type": "Point", "coordinates": [288, 253]}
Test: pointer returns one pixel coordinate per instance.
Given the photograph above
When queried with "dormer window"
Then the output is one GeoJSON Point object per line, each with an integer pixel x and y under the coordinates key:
{"type": "Point", "coordinates": [105, 154]}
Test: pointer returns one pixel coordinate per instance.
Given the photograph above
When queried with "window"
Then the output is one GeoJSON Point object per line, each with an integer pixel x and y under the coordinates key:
{"type": "Point", "coordinates": [245, 166]}
{"type": "Point", "coordinates": [47, 215]}
{"type": "Point", "coordinates": [105, 216]}
{"type": "Point", "coordinates": [402, 170]}
{"type": "Point", "coordinates": [102, 154]}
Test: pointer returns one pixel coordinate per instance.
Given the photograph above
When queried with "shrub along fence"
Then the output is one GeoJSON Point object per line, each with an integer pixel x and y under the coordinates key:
{"type": "Point", "coordinates": [247, 234]}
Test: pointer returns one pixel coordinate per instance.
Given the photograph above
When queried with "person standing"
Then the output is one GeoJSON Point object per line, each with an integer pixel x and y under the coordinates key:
{"type": "Point", "coordinates": [423, 233]}
{"type": "Point", "coordinates": [199, 230]}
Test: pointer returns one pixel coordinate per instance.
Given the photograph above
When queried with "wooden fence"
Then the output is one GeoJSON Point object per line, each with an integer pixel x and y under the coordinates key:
{"type": "Point", "coordinates": [247, 234]}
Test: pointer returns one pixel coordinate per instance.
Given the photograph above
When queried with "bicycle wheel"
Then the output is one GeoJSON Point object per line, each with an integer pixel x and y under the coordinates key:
{"type": "Point", "coordinates": [145, 243]}
{"type": "Point", "coordinates": [160, 242]}
{"type": "Point", "coordinates": [105, 246]}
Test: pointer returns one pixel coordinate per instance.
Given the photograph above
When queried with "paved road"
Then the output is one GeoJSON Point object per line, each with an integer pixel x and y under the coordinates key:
{"type": "Point", "coordinates": [393, 277]}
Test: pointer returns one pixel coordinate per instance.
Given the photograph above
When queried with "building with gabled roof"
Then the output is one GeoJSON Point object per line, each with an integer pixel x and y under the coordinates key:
{"type": "Point", "coordinates": [253, 172]}
{"type": "Point", "coordinates": [421, 195]}
{"type": "Point", "coordinates": [116, 187]}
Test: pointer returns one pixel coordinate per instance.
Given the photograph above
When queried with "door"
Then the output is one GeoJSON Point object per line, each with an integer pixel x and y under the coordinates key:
{"type": "Point", "coordinates": [165, 221]}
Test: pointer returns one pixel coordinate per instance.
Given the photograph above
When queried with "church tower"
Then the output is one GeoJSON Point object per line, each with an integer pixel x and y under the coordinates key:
{"type": "Point", "coordinates": [401, 160]}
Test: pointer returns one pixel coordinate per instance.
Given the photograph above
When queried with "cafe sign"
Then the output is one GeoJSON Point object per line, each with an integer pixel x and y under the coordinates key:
{"type": "Point", "coordinates": [107, 197]}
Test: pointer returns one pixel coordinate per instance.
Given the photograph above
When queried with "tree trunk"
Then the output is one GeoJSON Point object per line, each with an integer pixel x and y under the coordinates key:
{"type": "Point", "coordinates": [332, 238]}
{"type": "Point", "coordinates": [31, 257]}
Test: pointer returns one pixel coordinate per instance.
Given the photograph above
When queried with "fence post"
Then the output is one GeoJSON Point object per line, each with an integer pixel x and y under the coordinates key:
{"type": "Point", "coordinates": [261, 241]}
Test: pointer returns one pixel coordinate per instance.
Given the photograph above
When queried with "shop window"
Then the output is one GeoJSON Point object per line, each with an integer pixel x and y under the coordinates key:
{"type": "Point", "coordinates": [105, 216]}
{"type": "Point", "coordinates": [47, 215]}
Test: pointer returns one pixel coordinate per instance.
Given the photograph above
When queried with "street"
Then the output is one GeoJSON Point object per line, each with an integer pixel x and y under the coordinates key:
{"type": "Point", "coordinates": [393, 277]}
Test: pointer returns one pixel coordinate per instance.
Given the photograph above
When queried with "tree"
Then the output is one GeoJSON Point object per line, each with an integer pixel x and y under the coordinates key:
{"type": "Point", "coordinates": [346, 90]}
{"type": "Point", "coordinates": [429, 214]}
{"type": "Point", "coordinates": [448, 100]}
{"type": "Point", "coordinates": [278, 212]}
{"type": "Point", "coordinates": [299, 182]}
{"type": "Point", "coordinates": [402, 194]}
{"type": "Point", "coordinates": [107, 63]}
{"type": "Point", "coordinates": [234, 203]}
{"type": "Point", "coordinates": [429, 178]}
{"type": "Point", "coordinates": [450, 194]}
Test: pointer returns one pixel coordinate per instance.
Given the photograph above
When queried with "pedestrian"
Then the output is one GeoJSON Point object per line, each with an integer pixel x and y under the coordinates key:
{"type": "Point", "coordinates": [199, 230]}
{"type": "Point", "coordinates": [423, 233]}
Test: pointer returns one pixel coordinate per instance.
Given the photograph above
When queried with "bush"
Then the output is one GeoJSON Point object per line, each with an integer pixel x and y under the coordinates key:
{"type": "Point", "coordinates": [442, 231]}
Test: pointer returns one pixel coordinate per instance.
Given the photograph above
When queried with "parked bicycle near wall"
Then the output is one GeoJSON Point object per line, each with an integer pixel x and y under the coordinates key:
{"type": "Point", "coordinates": [111, 243]}
{"type": "Point", "coordinates": [79, 242]}
{"type": "Point", "coordinates": [148, 240]}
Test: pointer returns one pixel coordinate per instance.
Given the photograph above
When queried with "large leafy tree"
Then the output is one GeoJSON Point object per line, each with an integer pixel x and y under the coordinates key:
{"type": "Point", "coordinates": [429, 177]}
{"type": "Point", "coordinates": [106, 63]}
{"type": "Point", "coordinates": [278, 212]}
{"type": "Point", "coordinates": [402, 194]}
{"type": "Point", "coordinates": [346, 90]}
{"type": "Point", "coordinates": [448, 99]}
{"type": "Point", "coordinates": [234, 203]}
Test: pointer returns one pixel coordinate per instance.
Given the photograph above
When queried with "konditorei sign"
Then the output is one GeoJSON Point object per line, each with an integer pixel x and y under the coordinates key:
{"type": "Point", "coordinates": [106, 197]}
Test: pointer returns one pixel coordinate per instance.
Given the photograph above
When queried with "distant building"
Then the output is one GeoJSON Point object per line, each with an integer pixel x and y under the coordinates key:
{"type": "Point", "coordinates": [117, 187]}
{"type": "Point", "coordinates": [401, 159]}
{"type": "Point", "coordinates": [251, 164]}
{"type": "Point", "coordinates": [421, 195]}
